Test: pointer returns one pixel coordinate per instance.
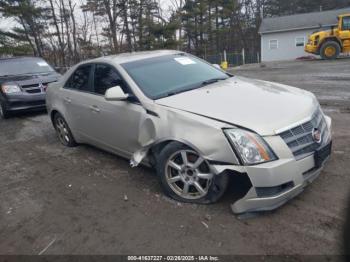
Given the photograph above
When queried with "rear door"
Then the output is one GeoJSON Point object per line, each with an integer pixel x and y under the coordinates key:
{"type": "Point", "coordinates": [75, 95]}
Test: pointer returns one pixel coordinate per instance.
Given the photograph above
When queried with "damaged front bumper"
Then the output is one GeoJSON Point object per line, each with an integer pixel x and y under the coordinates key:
{"type": "Point", "coordinates": [275, 183]}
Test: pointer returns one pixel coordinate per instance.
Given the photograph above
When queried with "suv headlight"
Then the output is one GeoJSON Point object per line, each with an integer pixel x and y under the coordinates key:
{"type": "Point", "coordinates": [250, 147]}
{"type": "Point", "coordinates": [10, 88]}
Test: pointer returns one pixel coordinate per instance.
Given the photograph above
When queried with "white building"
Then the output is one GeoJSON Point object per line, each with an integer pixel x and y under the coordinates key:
{"type": "Point", "coordinates": [284, 38]}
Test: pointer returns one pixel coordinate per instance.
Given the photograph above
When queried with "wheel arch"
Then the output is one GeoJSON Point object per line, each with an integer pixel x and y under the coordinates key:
{"type": "Point", "coordinates": [52, 115]}
{"type": "Point", "coordinates": [156, 148]}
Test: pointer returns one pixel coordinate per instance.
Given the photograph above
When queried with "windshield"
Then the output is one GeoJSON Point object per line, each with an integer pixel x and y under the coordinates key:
{"type": "Point", "coordinates": [172, 74]}
{"type": "Point", "coordinates": [24, 66]}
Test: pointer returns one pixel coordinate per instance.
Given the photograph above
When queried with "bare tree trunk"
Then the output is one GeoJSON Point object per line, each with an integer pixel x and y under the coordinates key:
{"type": "Point", "coordinates": [140, 22]}
{"type": "Point", "coordinates": [58, 33]}
{"type": "Point", "coordinates": [217, 27]}
{"type": "Point", "coordinates": [112, 18]}
{"type": "Point", "coordinates": [35, 51]}
{"type": "Point", "coordinates": [125, 7]}
{"type": "Point", "coordinates": [68, 35]}
{"type": "Point", "coordinates": [75, 41]}
{"type": "Point", "coordinates": [34, 32]}
{"type": "Point", "coordinates": [210, 33]}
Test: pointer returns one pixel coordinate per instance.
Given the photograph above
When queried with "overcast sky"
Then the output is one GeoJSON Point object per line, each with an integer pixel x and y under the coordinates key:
{"type": "Point", "coordinates": [5, 24]}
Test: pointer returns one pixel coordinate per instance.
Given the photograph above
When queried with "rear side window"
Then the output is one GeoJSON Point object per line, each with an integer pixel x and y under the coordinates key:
{"type": "Point", "coordinates": [80, 79]}
{"type": "Point", "coordinates": [105, 78]}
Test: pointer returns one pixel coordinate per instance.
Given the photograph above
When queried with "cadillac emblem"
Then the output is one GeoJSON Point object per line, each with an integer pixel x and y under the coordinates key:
{"type": "Point", "coordinates": [316, 135]}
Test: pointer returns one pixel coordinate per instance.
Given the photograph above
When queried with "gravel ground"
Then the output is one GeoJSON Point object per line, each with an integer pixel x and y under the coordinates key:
{"type": "Point", "coordinates": [57, 200]}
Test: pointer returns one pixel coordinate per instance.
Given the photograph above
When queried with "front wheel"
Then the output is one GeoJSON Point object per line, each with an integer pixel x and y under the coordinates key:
{"type": "Point", "coordinates": [187, 177]}
{"type": "Point", "coordinates": [330, 50]}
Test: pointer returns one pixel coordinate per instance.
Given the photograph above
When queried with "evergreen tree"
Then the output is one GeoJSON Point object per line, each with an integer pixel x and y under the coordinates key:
{"type": "Point", "coordinates": [31, 16]}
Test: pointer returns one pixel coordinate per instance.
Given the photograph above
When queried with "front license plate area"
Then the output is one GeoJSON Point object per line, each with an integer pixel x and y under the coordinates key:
{"type": "Point", "coordinates": [322, 154]}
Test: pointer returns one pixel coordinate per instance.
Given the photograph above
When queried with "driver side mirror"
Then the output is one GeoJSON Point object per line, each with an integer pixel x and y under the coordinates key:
{"type": "Point", "coordinates": [217, 66]}
{"type": "Point", "coordinates": [116, 94]}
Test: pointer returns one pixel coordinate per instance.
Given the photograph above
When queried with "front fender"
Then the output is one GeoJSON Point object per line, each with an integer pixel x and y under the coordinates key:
{"type": "Point", "coordinates": [202, 134]}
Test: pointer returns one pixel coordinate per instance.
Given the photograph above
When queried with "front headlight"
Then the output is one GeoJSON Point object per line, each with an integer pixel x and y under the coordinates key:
{"type": "Point", "coordinates": [251, 148]}
{"type": "Point", "coordinates": [10, 88]}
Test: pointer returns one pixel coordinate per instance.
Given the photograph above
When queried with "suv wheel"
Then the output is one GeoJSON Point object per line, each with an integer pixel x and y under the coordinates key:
{"type": "Point", "coordinates": [187, 177]}
{"type": "Point", "coordinates": [63, 131]}
{"type": "Point", "coordinates": [4, 113]}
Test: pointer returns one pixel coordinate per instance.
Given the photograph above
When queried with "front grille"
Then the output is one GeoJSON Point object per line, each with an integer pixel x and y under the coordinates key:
{"type": "Point", "coordinates": [300, 139]}
{"type": "Point", "coordinates": [35, 88]}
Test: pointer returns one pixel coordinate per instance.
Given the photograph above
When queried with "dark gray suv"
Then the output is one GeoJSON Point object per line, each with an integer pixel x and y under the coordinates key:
{"type": "Point", "coordinates": [23, 83]}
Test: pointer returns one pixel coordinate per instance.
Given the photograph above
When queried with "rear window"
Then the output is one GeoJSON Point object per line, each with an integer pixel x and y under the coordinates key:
{"type": "Point", "coordinates": [24, 66]}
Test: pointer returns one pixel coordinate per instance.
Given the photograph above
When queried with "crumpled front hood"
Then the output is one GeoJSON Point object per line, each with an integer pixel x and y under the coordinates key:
{"type": "Point", "coordinates": [260, 106]}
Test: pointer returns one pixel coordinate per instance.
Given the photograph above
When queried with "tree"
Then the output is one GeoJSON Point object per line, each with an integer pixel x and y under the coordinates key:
{"type": "Point", "coordinates": [67, 31]}
{"type": "Point", "coordinates": [31, 16]}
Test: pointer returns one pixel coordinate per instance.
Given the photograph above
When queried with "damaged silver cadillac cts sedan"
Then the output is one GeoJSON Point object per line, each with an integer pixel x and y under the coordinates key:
{"type": "Point", "coordinates": [197, 125]}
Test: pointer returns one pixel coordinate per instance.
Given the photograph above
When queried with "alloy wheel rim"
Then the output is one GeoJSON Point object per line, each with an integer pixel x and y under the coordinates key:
{"type": "Point", "coordinates": [62, 131]}
{"type": "Point", "coordinates": [188, 174]}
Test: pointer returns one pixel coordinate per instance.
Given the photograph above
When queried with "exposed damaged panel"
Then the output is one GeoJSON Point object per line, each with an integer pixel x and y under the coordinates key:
{"type": "Point", "coordinates": [194, 131]}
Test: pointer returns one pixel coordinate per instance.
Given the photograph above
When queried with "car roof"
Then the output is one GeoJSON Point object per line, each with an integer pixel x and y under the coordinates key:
{"type": "Point", "coordinates": [133, 56]}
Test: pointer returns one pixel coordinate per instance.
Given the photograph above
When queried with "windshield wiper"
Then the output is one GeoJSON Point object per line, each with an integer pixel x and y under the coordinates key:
{"type": "Point", "coordinates": [212, 81]}
{"type": "Point", "coordinates": [204, 83]}
{"type": "Point", "coordinates": [174, 93]}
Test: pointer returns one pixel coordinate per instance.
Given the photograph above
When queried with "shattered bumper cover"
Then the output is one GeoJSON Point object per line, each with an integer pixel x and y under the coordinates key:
{"type": "Point", "coordinates": [276, 183]}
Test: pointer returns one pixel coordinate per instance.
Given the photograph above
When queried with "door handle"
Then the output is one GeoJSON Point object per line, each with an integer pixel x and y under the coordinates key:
{"type": "Point", "coordinates": [68, 100]}
{"type": "Point", "coordinates": [95, 109]}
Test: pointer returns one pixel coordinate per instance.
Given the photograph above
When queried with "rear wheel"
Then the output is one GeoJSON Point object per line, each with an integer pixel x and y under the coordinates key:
{"type": "Point", "coordinates": [330, 50]}
{"type": "Point", "coordinates": [63, 131]}
{"type": "Point", "coordinates": [187, 177]}
{"type": "Point", "coordinates": [4, 113]}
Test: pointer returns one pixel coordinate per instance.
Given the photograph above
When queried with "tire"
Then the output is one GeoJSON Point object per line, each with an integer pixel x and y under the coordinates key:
{"type": "Point", "coordinates": [4, 113]}
{"type": "Point", "coordinates": [63, 131]}
{"type": "Point", "coordinates": [193, 182]}
{"type": "Point", "coordinates": [330, 50]}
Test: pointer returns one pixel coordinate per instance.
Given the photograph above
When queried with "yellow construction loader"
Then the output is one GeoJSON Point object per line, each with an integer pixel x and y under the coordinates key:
{"type": "Point", "coordinates": [330, 43]}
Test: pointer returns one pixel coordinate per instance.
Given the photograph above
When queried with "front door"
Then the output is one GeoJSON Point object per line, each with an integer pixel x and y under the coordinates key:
{"type": "Point", "coordinates": [112, 125]}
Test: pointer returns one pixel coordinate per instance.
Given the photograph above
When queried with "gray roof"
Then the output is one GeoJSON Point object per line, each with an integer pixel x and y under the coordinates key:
{"type": "Point", "coordinates": [301, 21]}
